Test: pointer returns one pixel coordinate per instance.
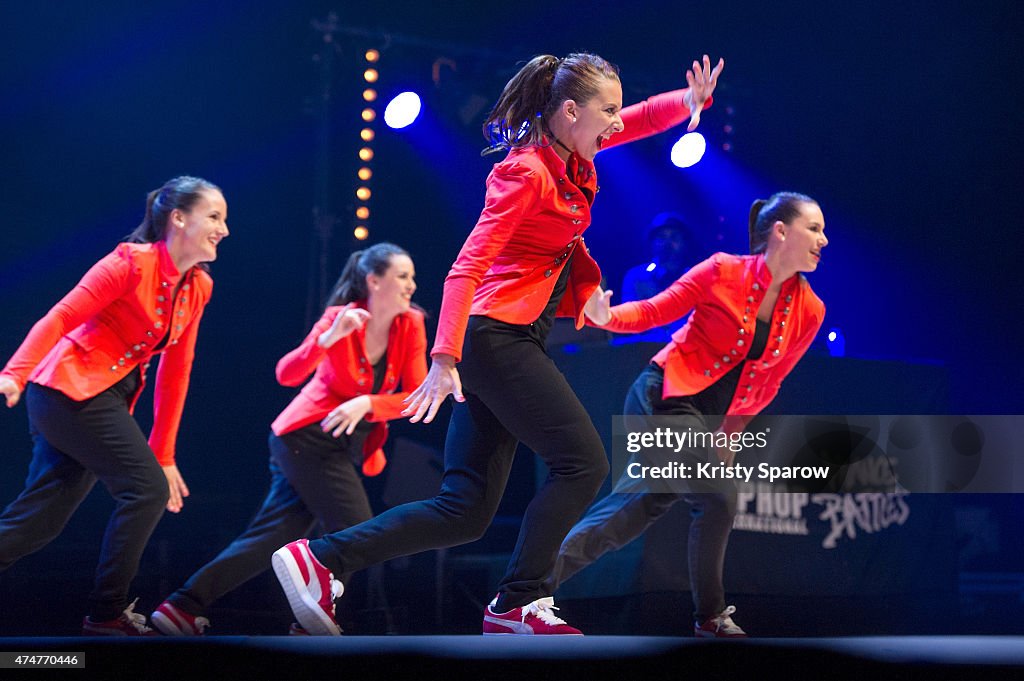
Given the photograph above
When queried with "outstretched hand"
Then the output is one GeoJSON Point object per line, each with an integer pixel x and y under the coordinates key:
{"type": "Point", "coordinates": [702, 81]}
{"type": "Point", "coordinates": [10, 390]}
{"type": "Point", "coordinates": [599, 307]}
{"type": "Point", "coordinates": [441, 381]}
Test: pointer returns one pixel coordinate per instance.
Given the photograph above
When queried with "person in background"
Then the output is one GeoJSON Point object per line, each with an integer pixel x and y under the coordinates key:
{"type": "Point", "coordinates": [753, 318]}
{"type": "Point", "coordinates": [366, 353]}
{"type": "Point", "coordinates": [82, 368]}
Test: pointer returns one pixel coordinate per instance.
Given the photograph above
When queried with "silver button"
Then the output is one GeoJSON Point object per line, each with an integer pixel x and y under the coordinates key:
{"type": "Point", "coordinates": [718, 365]}
{"type": "Point", "coordinates": [733, 351]}
{"type": "Point", "coordinates": [561, 180]}
{"type": "Point", "coordinates": [743, 399]}
{"type": "Point", "coordinates": [362, 360]}
{"type": "Point", "coordinates": [743, 332]}
{"type": "Point", "coordinates": [775, 353]}
{"type": "Point", "coordinates": [174, 342]}
{"type": "Point", "coordinates": [782, 324]}
{"type": "Point", "coordinates": [160, 299]}
{"type": "Point", "coordinates": [159, 310]}
{"type": "Point", "coordinates": [749, 388]}
{"type": "Point", "coordinates": [181, 313]}
{"type": "Point", "coordinates": [149, 333]}
{"type": "Point", "coordinates": [362, 370]}
{"type": "Point", "coordinates": [789, 299]}
{"type": "Point", "coordinates": [740, 342]}
{"type": "Point", "coordinates": [362, 381]}
{"type": "Point", "coordinates": [136, 347]}
{"type": "Point", "coordinates": [778, 338]}
{"type": "Point", "coordinates": [184, 299]}
{"type": "Point", "coordinates": [568, 195]}
{"type": "Point", "coordinates": [752, 374]}
{"type": "Point", "coordinates": [750, 299]}
{"type": "Point", "coordinates": [574, 208]}
{"type": "Point", "coordinates": [113, 368]}
{"type": "Point", "coordinates": [164, 284]}
{"type": "Point", "coordinates": [727, 359]}
{"type": "Point", "coordinates": [745, 318]}
{"type": "Point", "coordinates": [707, 372]}
{"type": "Point", "coordinates": [177, 327]}
{"type": "Point", "coordinates": [764, 365]}
{"type": "Point", "coordinates": [159, 325]}
{"type": "Point", "coordinates": [785, 311]}
{"type": "Point", "coordinates": [120, 362]}
{"type": "Point", "coordinates": [757, 287]}
{"type": "Point", "coordinates": [747, 309]}
{"type": "Point", "coordinates": [576, 221]}
{"type": "Point", "coordinates": [128, 354]}
{"type": "Point", "coordinates": [547, 273]}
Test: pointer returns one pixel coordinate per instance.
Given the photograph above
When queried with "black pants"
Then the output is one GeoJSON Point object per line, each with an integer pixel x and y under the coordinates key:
{"type": "Point", "coordinates": [313, 479]}
{"type": "Point", "coordinates": [76, 443]}
{"type": "Point", "coordinates": [513, 393]}
{"type": "Point", "coordinates": [624, 515]}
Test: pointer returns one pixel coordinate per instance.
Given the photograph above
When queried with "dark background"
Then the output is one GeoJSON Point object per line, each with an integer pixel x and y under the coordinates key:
{"type": "Point", "coordinates": [902, 120]}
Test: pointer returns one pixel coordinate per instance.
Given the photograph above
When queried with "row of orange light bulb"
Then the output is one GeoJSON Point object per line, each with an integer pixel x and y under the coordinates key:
{"type": "Point", "coordinates": [363, 193]}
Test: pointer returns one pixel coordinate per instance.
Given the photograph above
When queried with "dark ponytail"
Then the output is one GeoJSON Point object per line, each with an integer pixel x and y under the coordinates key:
{"type": "Point", "coordinates": [181, 193]}
{"type": "Point", "coordinates": [782, 206]}
{"type": "Point", "coordinates": [520, 116]}
{"type": "Point", "coordinates": [351, 285]}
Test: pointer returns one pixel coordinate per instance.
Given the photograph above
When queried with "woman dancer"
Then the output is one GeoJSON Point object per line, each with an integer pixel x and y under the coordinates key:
{"type": "Point", "coordinates": [369, 341]}
{"type": "Point", "coordinates": [522, 265]}
{"type": "Point", "coordinates": [84, 365]}
{"type": "Point", "coordinates": [753, 319]}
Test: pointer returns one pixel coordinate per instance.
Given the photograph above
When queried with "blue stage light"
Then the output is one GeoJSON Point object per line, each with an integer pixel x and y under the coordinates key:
{"type": "Point", "coordinates": [688, 150]}
{"type": "Point", "coordinates": [402, 110]}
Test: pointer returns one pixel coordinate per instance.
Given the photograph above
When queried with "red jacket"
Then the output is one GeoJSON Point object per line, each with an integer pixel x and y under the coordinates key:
{"type": "Point", "coordinates": [535, 212]}
{"type": "Point", "coordinates": [725, 292]}
{"type": "Point", "coordinates": [347, 373]}
{"type": "Point", "coordinates": [108, 324]}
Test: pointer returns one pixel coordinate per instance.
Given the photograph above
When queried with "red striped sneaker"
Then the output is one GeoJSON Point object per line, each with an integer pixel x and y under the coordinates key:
{"type": "Point", "coordinates": [719, 626]}
{"type": "Point", "coordinates": [535, 618]}
{"type": "Point", "coordinates": [128, 623]}
{"type": "Point", "coordinates": [171, 620]}
{"type": "Point", "coordinates": [309, 586]}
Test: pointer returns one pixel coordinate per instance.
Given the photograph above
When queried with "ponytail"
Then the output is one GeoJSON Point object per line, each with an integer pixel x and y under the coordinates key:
{"type": "Point", "coordinates": [780, 207]}
{"type": "Point", "coordinates": [351, 285]}
{"type": "Point", "coordinates": [520, 116]}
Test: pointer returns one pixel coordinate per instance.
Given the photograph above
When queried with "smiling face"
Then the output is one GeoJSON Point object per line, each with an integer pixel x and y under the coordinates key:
{"type": "Point", "coordinates": [801, 241]}
{"type": "Point", "coordinates": [588, 126]}
{"type": "Point", "coordinates": [196, 233]}
{"type": "Point", "coordinates": [393, 290]}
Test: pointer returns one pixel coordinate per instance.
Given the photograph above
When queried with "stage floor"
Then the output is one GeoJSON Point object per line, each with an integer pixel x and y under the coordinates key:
{"type": "Point", "coordinates": [519, 657]}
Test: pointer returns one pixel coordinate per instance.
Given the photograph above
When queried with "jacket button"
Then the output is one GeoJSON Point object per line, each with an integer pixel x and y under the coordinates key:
{"type": "Point", "coordinates": [128, 354]}
{"type": "Point", "coordinates": [789, 299]}
{"type": "Point", "coordinates": [750, 299]}
{"type": "Point", "coordinates": [174, 342]}
{"type": "Point", "coordinates": [120, 362]}
{"type": "Point", "coordinates": [561, 180]}
{"type": "Point", "coordinates": [707, 372]}
{"type": "Point", "coordinates": [362, 381]}
{"type": "Point", "coordinates": [177, 327]}
{"type": "Point", "coordinates": [158, 325]}
{"type": "Point", "coordinates": [785, 311]}
{"type": "Point", "coordinates": [778, 339]}
{"type": "Point", "coordinates": [743, 399]}
{"type": "Point", "coordinates": [745, 318]}
{"type": "Point", "coordinates": [733, 351]}
{"type": "Point", "coordinates": [775, 353]}
{"type": "Point", "coordinates": [159, 310]}
{"type": "Point", "coordinates": [113, 368]}
{"type": "Point", "coordinates": [740, 342]}
{"type": "Point", "coordinates": [568, 195]}
{"type": "Point", "coordinates": [181, 313]}
{"type": "Point", "coordinates": [136, 348]}
{"type": "Point", "coordinates": [718, 365]}
{"type": "Point", "coordinates": [782, 324]}
{"type": "Point", "coordinates": [160, 299]}
{"type": "Point", "coordinates": [574, 208]}
{"type": "Point", "coordinates": [726, 358]}
{"type": "Point", "coordinates": [149, 333]}
{"type": "Point", "coordinates": [547, 273]}
{"type": "Point", "coordinates": [757, 287]}
{"type": "Point", "coordinates": [743, 331]}
{"type": "Point", "coordinates": [749, 387]}
{"type": "Point", "coordinates": [751, 374]}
